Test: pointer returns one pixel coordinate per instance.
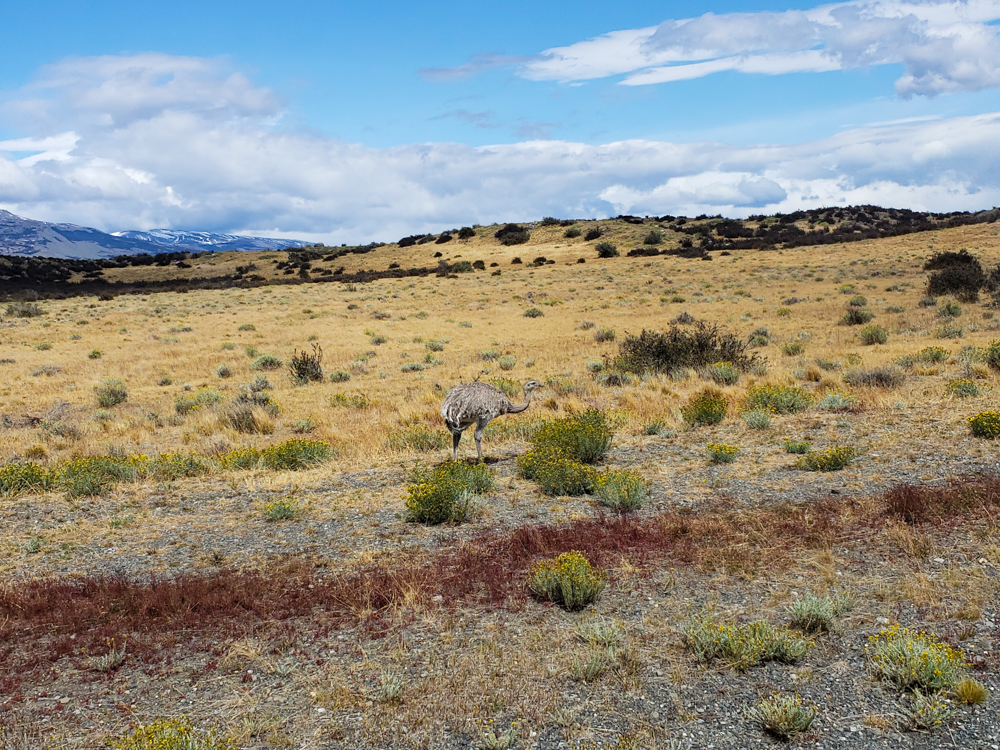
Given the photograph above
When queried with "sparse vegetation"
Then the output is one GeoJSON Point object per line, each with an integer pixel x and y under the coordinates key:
{"type": "Point", "coordinates": [111, 392]}
{"type": "Point", "coordinates": [831, 459]}
{"type": "Point", "coordinates": [784, 716]}
{"type": "Point", "coordinates": [568, 580]}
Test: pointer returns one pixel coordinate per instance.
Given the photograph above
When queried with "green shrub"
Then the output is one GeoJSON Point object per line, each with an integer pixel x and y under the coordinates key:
{"type": "Point", "coordinates": [281, 510]}
{"type": "Point", "coordinates": [350, 401]}
{"type": "Point", "coordinates": [110, 393]}
{"type": "Point", "coordinates": [171, 734]}
{"type": "Point", "coordinates": [950, 310]}
{"type": "Point", "coordinates": [507, 362]}
{"type": "Point", "coordinates": [831, 459]}
{"type": "Point", "coordinates": [857, 316]}
{"type": "Point", "coordinates": [756, 419]}
{"type": "Point", "coordinates": [266, 362]}
{"type": "Point", "coordinates": [914, 659]}
{"type": "Point", "coordinates": [444, 494]}
{"type": "Point", "coordinates": [583, 437]}
{"type": "Point", "coordinates": [962, 388]}
{"type": "Point", "coordinates": [932, 354]}
{"type": "Point", "coordinates": [949, 331]}
{"type": "Point", "coordinates": [780, 399]}
{"type": "Point", "coordinates": [572, 232]}
{"type": "Point", "coordinates": [963, 281]}
{"type": "Point", "coordinates": [241, 458]}
{"type": "Point", "coordinates": [873, 334]}
{"type": "Point", "coordinates": [759, 337]}
{"type": "Point", "coordinates": [797, 446]}
{"type": "Point", "coordinates": [19, 477]}
{"type": "Point", "coordinates": [95, 354]}
{"type": "Point", "coordinates": [720, 453]}
{"type": "Point", "coordinates": [418, 437]}
{"type": "Point", "coordinates": [604, 334]}
{"type": "Point", "coordinates": [606, 250]}
{"type": "Point", "coordinates": [784, 716]}
{"type": "Point", "coordinates": [723, 373]}
{"type": "Point", "coordinates": [706, 408]}
{"type": "Point", "coordinates": [22, 309]}
{"type": "Point", "coordinates": [436, 345]}
{"type": "Point", "coordinates": [251, 352]}
{"type": "Point", "coordinates": [185, 403]}
{"type": "Point", "coordinates": [857, 300]}
{"type": "Point", "coordinates": [837, 402]}
{"type": "Point", "coordinates": [99, 474]}
{"type": "Point", "coordinates": [743, 646]}
{"type": "Point", "coordinates": [555, 472]}
{"type": "Point", "coordinates": [224, 371]}
{"type": "Point", "coordinates": [620, 490]}
{"type": "Point", "coordinates": [174, 465]}
{"type": "Point", "coordinates": [488, 355]}
{"type": "Point", "coordinates": [986, 424]}
{"type": "Point", "coordinates": [695, 347]}
{"type": "Point", "coordinates": [792, 348]}
{"type": "Point", "coordinates": [533, 312]}
{"type": "Point", "coordinates": [815, 614]}
{"type": "Point", "coordinates": [306, 367]}
{"type": "Point", "coordinates": [247, 327]}
{"type": "Point", "coordinates": [512, 234]}
{"type": "Point", "coordinates": [295, 454]}
{"type": "Point", "coordinates": [876, 377]}
{"type": "Point", "coordinates": [568, 580]}
{"type": "Point", "coordinates": [340, 376]}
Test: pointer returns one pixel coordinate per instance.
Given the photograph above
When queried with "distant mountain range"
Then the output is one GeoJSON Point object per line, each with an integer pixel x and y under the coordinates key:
{"type": "Point", "coordinates": [27, 237]}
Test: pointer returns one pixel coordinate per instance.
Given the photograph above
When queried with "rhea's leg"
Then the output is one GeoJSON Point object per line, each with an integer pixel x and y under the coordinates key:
{"type": "Point", "coordinates": [455, 437]}
{"type": "Point", "coordinates": [479, 442]}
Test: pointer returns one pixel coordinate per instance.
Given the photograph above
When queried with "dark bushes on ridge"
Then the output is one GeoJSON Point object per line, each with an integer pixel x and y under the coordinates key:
{"type": "Point", "coordinates": [512, 234]}
{"type": "Point", "coordinates": [663, 351]}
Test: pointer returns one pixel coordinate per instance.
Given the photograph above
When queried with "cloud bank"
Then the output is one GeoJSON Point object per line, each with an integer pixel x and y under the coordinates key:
{"type": "Point", "coordinates": [943, 47]}
{"type": "Point", "coordinates": [186, 143]}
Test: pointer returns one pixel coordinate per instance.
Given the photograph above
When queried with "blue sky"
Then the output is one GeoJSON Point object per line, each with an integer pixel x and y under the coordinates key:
{"type": "Point", "coordinates": [351, 122]}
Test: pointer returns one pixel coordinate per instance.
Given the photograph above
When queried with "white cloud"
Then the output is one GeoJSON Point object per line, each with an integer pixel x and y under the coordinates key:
{"type": "Point", "coordinates": [943, 46]}
{"type": "Point", "coordinates": [175, 160]}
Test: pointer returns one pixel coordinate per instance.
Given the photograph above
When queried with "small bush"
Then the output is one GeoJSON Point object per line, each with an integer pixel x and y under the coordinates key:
{"type": "Point", "coordinates": [512, 234]}
{"type": "Point", "coordinates": [175, 465]}
{"type": "Point", "coordinates": [306, 367]}
{"type": "Point", "coordinates": [876, 377]}
{"type": "Point", "coordinates": [759, 337]}
{"type": "Point", "coordinates": [697, 347]}
{"type": "Point", "coordinates": [340, 376]}
{"type": "Point", "coordinates": [240, 458]}
{"type": "Point", "coordinates": [266, 362]}
{"type": "Point", "coordinates": [873, 334]}
{"type": "Point", "coordinates": [933, 354]}
{"type": "Point", "coordinates": [914, 659]}
{"type": "Point", "coordinates": [831, 459]}
{"type": "Point", "coordinates": [743, 646]}
{"type": "Point", "coordinates": [583, 437]}
{"type": "Point", "coordinates": [706, 408]}
{"type": "Point", "coordinates": [533, 312]}
{"type": "Point", "coordinates": [962, 388]}
{"type": "Point", "coordinates": [466, 233]}
{"type": "Point", "coordinates": [99, 474]}
{"type": "Point", "coordinates": [435, 345]}
{"type": "Point", "coordinates": [723, 373]}
{"type": "Point", "coordinates": [507, 362]}
{"type": "Point", "coordinates": [783, 716]}
{"type": "Point", "coordinates": [606, 250]}
{"type": "Point", "coordinates": [488, 355]}
{"type": "Point", "coordinates": [604, 334]}
{"type": "Point", "coordinates": [857, 301]}
{"type": "Point", "coordinates": [653, 238]}
{"type": "Point", "coordinates": [857, 316]}
{"type": "Point", "coordinates": [19, 477]}
{"type": "Point", "coordinates": [756, 419]}
{"type": "Point", "coordinates": [720, 453]}
{"type": "Point", "coordinates": [780, 399]}
{"type": "Point", "coordinates": [837, 402]}
{"type": "Point", "coordinates": [568, 580]}
{"type": "Point", "coordinates": [295, 454]}
{"type": "Point", "coordinates": [792, 349]}
{"type": "Point", "coordinates": [281, 510]}
{"type": "Point", "coordinates": [171, 734]}
{"type": "Point", "coordinates": [970, 692]}
{"type": "Point", "coordinates": [95, 354]}
{"type": "Point", "coordinates": [986, 424]}
{"type": "Point", "coordinates": [950, 310]}
{"type": "Point", "coordinates": [815, 614]}
{"type": "Point", "coordinates": [620, 490]}
{"type": "Point", "coordinates": [927, 712]}
{"type": "Point", "coordinates": [572, 232]}
{"type": "Point", "coordinates": [224, 371]}
{"type": "Point", "coordinates": [797, 446]}
{"type": "Point", "coordinates": [20, 309]}
{"type": "Point", "coordinates": [962, 281]}
{"type": "Point", "coordinates": [949, 331]}
{"type": "Point", "coordinates": [111, 393]}
{"type": "Point", "coordinates": [556, 473]}
{"type": "Point", "coordinates": [444, 494]}
{"type": "Point", "coordinates": [185, 403]}
{"type": "Point", "coordinates": [247, 327]}
{"type": "Point", "coordinates": [593, 234]}
{"type": "Point", "coordinates": [927, 302]}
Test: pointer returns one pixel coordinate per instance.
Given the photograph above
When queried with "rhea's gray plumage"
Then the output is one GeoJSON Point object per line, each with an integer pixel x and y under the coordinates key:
{"type": "Point", "coordinates": [476, 404]}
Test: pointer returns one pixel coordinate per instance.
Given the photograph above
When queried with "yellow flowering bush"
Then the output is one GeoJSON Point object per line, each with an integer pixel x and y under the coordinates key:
{"type": "Point", "coordinates": [914, 659]}
{"type": "Point", "coordinates": [620, 489]}
{"type": "Point", "coordinates": [22, 476]}
{"type": "Point", "coordinates": [171, 734]}
{"type": "Point", "coordinates": [986, 424]}
{"type": "Point", "coordinates": [780, 399]}
{"type": "Point", "coordinates": [444, 493]}
{"type": "Point", "coordinates": [832, 459]}
{"type": "Point", "coordinates": [568, 580]}
{"type": "Point", "coordinates": [720, 453]}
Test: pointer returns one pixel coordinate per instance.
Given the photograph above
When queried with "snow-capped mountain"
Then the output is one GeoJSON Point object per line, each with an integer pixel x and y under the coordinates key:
{"type": "Point", "coordinates": [207, 240]}
{"type": "Point", "coordinates": [20, 236]}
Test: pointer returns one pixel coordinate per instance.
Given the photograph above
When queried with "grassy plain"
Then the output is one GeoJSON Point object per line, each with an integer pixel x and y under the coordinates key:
{"type": "Point", "coordinates": [427, 667]}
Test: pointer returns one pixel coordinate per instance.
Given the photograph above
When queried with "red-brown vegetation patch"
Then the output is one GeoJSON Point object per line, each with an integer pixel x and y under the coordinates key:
{"type": "Point", "coordinates": [46, 619]}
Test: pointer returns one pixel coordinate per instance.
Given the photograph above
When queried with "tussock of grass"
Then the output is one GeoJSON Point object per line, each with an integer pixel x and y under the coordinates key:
{"type": "Point", "coordinates": [743, 646]}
